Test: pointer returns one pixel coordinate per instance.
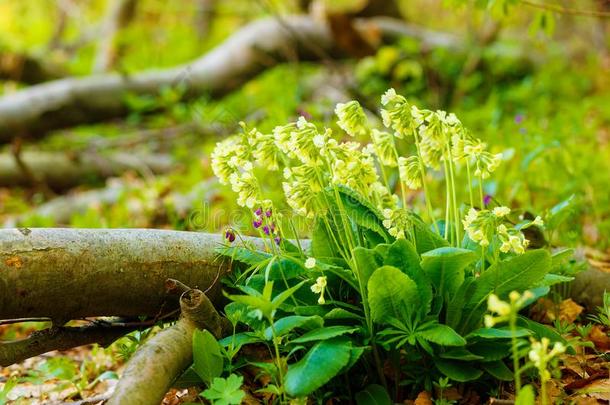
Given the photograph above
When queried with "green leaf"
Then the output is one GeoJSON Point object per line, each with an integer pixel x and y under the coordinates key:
{"type": "Point", "coordinates": [561, 212]}
{"type": "Point", "coordinates": [460, 353]}
{"type": "Point", "coordinates": [373, 395]}
{"type": "Point", "coordinates": [240, 339]}
{"type": "Point", "coordinates": [403, 256]}
{"type": "Point", "coordinates": [322, 244]}
{"type": "Point", "coordinates": [354, 356]}
{"type": "Point", "coordinates": [499, 370]}
{"type": "Point", "coordinates": [498, 333]}
{"type": "Point", "coordinates": [490, 350]}
{"type": "Point", "coordinates": [361, 212]}
{"type": "Point", "coordinates": [225, 391]}
{"type": "Point", "coordinates": [458, 370]}
{"type": "Point", "coordinates": [526, 396]}
{"type": "Point", "coordinates": [187, 379]}
{"type": "Point", "coordinates": [207, 358]}
{"type": "Point", "coordinates": [245, 255]}
{"type": "Point", "coordinates": [392, 294]}
{"type": "Point", "coordinates": [541, 331]}
{"type": "Point", "coordinates": [284, 269]}
{"type": "Point", "coordinates": [288, 323]}
{"type": "Point", "coordinates": [367, 261]}
{"type": "Point", "coordinates": [10, 384]}
{"type": "Point", "coordinates": [284, 295]}
{"type": "Point", "coordinates": [518, 273]}
{"type": "Point", "coordinates": [425, 238]}
{"type": "Point", "coordinates": [324, 333]}
{"type": "Point", "coordinates": [455, 307]}
{"type": "Point", "coordinates": [552, 279]}
{"type": "Point", "coordinates": [441, 334]}
{"type": "Point", "coordinates": [561, 256]}
{"type": "Point", "coordinates": [445, 268]}
{"type": "Point", "coordinates": [324, 361]}
{"type": "Point", "coordinates": [340, 313]}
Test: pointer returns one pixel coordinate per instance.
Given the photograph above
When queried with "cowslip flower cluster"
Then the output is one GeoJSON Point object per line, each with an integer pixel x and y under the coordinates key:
{"type": "Point", "coordinates": [313, 162]}
{"type": "Point", "coordinates": [440, 135]}
{"type": "Point", "coordinates": [397, 221]}
{"type": "Point", "coordinates": [540, 355]}
{"type": "Point", "coordinates": [482, 226]}
{"type": "Point", "coordinates": [310, 158]}
{"type": "Point", "coordinates": [352, 119]}
{"type": "Point", "coordinates": [466, 148]}
{"type": "Point", "coordinates": [503, 309]}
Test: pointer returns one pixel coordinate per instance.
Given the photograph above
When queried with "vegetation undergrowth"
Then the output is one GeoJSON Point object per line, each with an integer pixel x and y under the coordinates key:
{"type": "Point", "coordinates": [380, 296]}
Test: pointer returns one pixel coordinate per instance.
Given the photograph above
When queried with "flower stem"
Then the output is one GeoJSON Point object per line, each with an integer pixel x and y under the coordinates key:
{"type": "Point", "coordinates": [515, 349]}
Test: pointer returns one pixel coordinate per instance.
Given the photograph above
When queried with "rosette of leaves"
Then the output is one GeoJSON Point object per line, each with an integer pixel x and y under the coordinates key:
{"type": "Point", "coordinates": [422, 302]}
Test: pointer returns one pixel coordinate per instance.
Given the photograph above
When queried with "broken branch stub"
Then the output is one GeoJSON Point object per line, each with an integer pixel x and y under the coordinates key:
{"type": "Point", "coordinates": [151, 371]}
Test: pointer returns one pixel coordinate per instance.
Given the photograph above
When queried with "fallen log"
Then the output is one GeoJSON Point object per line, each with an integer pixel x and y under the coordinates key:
{"type": "Point", "coordinates": [151, 371]}
{"type": "Point", "coordinates": [69, 274]}
{"type": "Point", "coordinates": [66, 274]}
{"type": "Point", "coordinates": [61, 171]}
{"type": "Point", "coordinates": [34, 111]}
{"type": "Point", "coordinates": [59, 338]}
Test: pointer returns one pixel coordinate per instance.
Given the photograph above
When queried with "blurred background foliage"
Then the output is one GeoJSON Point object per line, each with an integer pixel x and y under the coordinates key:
{"type": "Point", "coordinates": [534, 84]}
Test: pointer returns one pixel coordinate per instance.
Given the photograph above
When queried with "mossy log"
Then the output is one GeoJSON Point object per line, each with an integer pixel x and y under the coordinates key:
{"type": "Point", "coordinates": [34, 111]}
{"type": "Point", "coordinates": [61, 170]}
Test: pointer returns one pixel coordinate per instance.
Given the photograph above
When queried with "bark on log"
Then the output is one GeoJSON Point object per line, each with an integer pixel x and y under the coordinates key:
{"type": "Point", "coordinates": [150, 373]}
{"type": "Point", "coordinates": [69, 274]}
{"type": "Point", "coordinates": [61, 171]}
{"type": "Point", "coordinates": [73, 101]}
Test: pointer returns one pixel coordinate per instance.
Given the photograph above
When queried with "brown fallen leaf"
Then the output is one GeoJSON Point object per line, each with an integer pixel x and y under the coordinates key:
{"type": "Point", "coordinates": [424, 398]}
{"type": "Point", "coordinates": [578, 384]}
{"type": "Point", "coordinates": [599, 338]}
{"type": "Point", "coordinates": [548, 311]}
{"type": "Point", "coordinates": [599, 389]}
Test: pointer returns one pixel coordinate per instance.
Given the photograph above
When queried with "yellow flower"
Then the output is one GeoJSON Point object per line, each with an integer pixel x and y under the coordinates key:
{"type": "Point", "coordinates": [319, 287]}
{"type": "Point", "coordinates": [409, 171]}
{"type": "Point", "coordinates": [352, 118]}
{"type": "Point", "coordinates": [501, 211]}
{"type": "Point", "coordinates": [310, 263]}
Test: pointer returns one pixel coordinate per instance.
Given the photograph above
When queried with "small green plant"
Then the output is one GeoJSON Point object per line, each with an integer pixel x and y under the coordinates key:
{"type": "Point", "coordinates": [6, 390]}
{"type": "Point", "coordinates": [386, 284]}
{"type": "Point", "coordinates": [442, 385]}
{"type": "Point", "coordinates": [603, 313]}
{"type": "Point", "coordinates": [225, 391]}
{"type": "Point", "coordinates": [543, 358]}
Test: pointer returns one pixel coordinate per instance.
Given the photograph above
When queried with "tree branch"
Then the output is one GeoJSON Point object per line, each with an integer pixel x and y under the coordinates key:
{"type": "Point", "coordinates": [59, 338]}
{"type": "Point", "coordinates": [59, 170]}
{"type": "Point", "coordinates": [63, 103]}
{"type": "Point", "coordinates": [151, 371]}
